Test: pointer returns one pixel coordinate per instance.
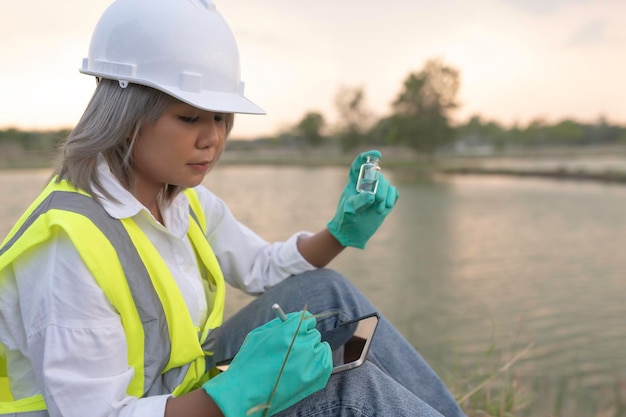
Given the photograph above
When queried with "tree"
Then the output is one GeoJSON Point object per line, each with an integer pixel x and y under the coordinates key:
{"type": "Point", "coordinates": [381, 133]}
{"type": "Point", "coordinates": [421, 117]}
{"type": "Point", "coordinates": [483, 132]}
{"type": "Point", "coordinates": [536, 133]}
{"type": "Point", "coordinates": [566, 132]}
{"type": "Point", "coordinates": [354, 117]}
{"type": "Point", "coordinates": [310, 127]}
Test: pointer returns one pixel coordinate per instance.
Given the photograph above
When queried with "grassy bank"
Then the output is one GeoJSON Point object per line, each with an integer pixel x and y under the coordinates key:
{"type": "Point", "coordinates": [496, 388]}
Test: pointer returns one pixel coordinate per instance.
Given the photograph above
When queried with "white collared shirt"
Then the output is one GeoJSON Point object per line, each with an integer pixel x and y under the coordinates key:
{"type": "Point", "coordinates": [63, 335]}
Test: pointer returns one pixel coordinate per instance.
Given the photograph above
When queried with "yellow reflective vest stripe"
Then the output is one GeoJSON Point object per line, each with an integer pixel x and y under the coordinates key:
{"type": "Point", "coordinates": [164, 346]}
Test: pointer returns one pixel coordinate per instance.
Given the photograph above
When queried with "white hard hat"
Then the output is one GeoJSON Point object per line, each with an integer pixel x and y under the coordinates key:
{"type": "Point", "coordinates": [184, 48]}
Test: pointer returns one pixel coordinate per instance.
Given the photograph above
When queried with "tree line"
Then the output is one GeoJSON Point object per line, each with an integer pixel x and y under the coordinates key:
{"type": "Point", "coordinates": [420, 118]}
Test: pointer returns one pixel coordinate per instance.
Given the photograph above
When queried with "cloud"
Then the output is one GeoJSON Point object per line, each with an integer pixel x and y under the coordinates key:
{"type": "Point", "coordinates": [590, 33]}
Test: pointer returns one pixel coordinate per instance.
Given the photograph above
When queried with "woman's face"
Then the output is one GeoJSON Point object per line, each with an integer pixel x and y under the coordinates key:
{"type": "Point", "coordinates": [180, 148]}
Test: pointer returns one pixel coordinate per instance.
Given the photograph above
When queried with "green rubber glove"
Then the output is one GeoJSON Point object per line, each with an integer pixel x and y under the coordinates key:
{"type": "Point", "coordinates": [249, 380]}
{"type": "Point", "coordinates": [359, 215]}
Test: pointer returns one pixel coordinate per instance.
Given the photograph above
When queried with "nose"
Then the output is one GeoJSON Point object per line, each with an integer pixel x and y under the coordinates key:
{"type": "Point", "coordinates": [210, 135]}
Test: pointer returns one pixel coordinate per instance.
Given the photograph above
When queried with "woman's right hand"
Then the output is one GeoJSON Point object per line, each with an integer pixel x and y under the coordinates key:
{"type": "Point", "coordinates": [359, 215]}
{"type": "Point", "coordinates": [249, 381]}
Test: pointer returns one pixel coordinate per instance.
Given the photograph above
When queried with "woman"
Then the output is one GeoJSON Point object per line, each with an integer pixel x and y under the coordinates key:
{"type": "Point", "coordinates": [112, 282]}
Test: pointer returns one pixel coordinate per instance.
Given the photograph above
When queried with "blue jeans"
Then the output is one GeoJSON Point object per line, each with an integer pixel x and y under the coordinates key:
{"type": "Point", "coordinates": [395, 381]}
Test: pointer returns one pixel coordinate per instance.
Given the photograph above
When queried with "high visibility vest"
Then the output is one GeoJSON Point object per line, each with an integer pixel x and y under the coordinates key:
{"type": "Point", "coordinates": [164, 346]}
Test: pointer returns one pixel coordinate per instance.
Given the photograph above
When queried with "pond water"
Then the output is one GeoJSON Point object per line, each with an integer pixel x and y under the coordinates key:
{"type": "Point", "coordinates": [473, 270]}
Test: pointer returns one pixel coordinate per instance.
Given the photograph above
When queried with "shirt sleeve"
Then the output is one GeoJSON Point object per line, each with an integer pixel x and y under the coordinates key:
{"type": "Point", "coordinates": [248, 261]}
{"type": "Point", "coordinates": [74, 338]}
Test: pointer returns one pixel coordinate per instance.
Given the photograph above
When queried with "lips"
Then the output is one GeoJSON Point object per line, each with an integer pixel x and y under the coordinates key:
{"type": "Point", "coordinates": [201, 163]}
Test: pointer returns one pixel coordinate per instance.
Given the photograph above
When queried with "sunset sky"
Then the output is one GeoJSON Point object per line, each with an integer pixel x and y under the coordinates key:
{"type": "Point", "coordinates": [518, 59]}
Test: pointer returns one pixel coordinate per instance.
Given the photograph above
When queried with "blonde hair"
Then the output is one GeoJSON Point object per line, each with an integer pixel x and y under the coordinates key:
{"type": "Point", "coordinates": [109, 127]}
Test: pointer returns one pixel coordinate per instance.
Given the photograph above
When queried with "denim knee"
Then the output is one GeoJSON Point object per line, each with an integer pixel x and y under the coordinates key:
{"type": "Point", "coordinates": [326, 289]}
{"type": "Point", "coordinates": [363, 391]}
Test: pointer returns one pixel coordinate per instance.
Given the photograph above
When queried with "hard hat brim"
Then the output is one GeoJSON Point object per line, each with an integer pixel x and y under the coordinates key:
{"type": "Point", "coordinates": [215, 101]}
{"type": "Point", "coordinates": [218, 102]}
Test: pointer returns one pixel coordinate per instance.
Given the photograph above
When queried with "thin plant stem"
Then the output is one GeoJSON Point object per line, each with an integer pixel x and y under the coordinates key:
{"type": "Point", "coordinates": [268, 405]}
{"type": "Point", "coordinates": [505, 367]}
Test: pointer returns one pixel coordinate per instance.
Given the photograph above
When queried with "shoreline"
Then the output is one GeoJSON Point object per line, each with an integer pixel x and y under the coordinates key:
{"type": "Point", "coordinates": [559, 174]}
{"type": "Point", "coordinates": [605, 167]}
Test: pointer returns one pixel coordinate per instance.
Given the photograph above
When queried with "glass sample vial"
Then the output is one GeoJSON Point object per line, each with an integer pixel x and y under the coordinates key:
{"type": "Point", "coordinates": [368, 176]}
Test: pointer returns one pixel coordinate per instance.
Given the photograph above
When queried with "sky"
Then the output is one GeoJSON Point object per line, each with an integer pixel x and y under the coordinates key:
{"type": "Point", "coordinates": [519, 60]}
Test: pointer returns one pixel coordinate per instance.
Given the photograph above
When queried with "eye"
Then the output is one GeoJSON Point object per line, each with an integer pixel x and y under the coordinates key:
{"type": "Point", "coordinates": [189, 119]}
{"type": "Point", "coordinates": [219, 117]}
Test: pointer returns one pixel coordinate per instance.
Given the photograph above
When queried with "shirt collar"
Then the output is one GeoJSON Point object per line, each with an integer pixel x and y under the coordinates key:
{"type": "Point", "coordinates": [175, 216]}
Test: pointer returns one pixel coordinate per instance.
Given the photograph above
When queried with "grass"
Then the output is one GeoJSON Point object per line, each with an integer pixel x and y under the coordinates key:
{"type": "Point", "coordinates": [495, 389]}
{"type": "Point", "coordinates": [492, 390]}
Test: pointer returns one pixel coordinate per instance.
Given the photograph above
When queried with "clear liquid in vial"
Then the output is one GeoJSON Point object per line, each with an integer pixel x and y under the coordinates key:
{"type": "Point", "coordinates": [368, 176]}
